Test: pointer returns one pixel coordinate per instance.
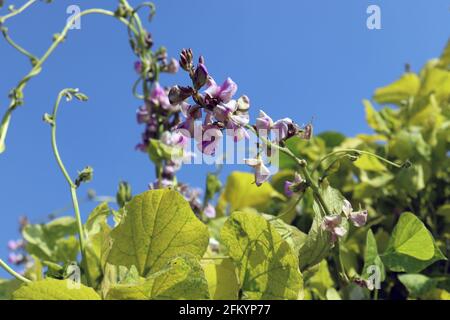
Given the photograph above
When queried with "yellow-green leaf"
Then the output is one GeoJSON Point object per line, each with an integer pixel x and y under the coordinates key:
{"type": "Point", "coordinates": [157, 226]}
{"type": "Point", "coordinates": [399, 90]}
{"type": "Point", "coordinates": [52, 289]}
{"type": "Point", "coordinates": [268, 269]}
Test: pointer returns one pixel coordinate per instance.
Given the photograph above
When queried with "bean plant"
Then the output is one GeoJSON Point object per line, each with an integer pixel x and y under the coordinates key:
{"type": "Point", "coordinates": [364, 217]}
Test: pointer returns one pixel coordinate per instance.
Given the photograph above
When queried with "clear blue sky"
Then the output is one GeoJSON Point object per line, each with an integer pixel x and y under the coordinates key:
{"type": "Point", "coordinates": [303, 59]}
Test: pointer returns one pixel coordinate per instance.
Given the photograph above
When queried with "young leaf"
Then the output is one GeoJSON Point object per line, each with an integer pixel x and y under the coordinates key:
{"type": "Point", "coordinates": [268, 269]}
{"type": "Point", "coordinates": [53, 241]}
{"type": "Point", "coordinates": [241, 192]}
{"type": "Point", "coordinates": [398, 91]}
{"type": "Point", "coordinates": [157, 226]}
{"type": "Point", "coordinates": [51, 289]}
{"type": "Point", "coordinates": [374, 119]}
{"type": "Point", "coordinates": [371, 257]}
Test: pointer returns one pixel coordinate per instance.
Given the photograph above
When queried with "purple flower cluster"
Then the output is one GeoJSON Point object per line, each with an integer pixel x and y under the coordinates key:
{"type": "Point", "coordinates": [17, 254]}
{"type": "Point", "coordinates": [212, 111]}
{"type": "Point", "coordinates": [334, 223]}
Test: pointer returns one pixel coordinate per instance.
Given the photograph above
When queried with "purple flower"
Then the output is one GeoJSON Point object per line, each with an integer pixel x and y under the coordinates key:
{"type": "Point", "coordinates": [15, 245]}
{"type": "Point", "coordinates": [358, 218]}
{"type": "Point", "coordinates": [288, 188]}
{"type": "Point", "coordinates": [173, 66]}
{"type": "Point", "coordinates": [263, 122]}
{"type": "Point", "coordinates": [200, 76]}
{"type": "Point", "coordinates": [16, 258]}
{"type": "Point", "coordinates": [224, 92]}
{"type": "Point", "coordinates": [174, 139]}
{"type": "Point", "coordinates": [210, 211]}
{"type": "Point", "coordinates": [142, 115]}
{"type": "Point", "coordinates": [294, 186]}
{"type": "Point", "coordinates": [223, 111]}
{"type": "Point", "coordinates": [161, 184]}
{"type": "Point", "coordinates": [262, 173]}
{"type": "Point", "coordinates": [282, 127]}
{"type": "Point", "coordinates": [160, 97]}
{"type": "Point", "coordinates": [209, 139]}
{"type": "Point", "coordinates": [332, 224]}
{"type": "Point", "coordinates": [138, 67]}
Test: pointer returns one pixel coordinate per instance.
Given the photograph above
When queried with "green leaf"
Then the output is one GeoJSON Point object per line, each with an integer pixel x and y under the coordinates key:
{"type": "Point", "coordinates": [159, 151]}
{"type": "Point", "coordinates": [318, 242]}
{"type": "Point", "coordinates": [7, 287]}
{"type": "Point", "coordinates": [371, 257]}
{"type": "Point", "coordinates": [222, 279]}
{"type": "Point", "coordinates": [321, 280]}
{"type": "Point", "coordinates": [369, 163]}
{"type": "Point", "coordinates": [268, 269]}
{"type": "Point", "coordinates": [54, 241]}
{"type": "Point", "coordinates": [332, 139]}
{"type": "Point", "coordinates": [291, 234]}
{"type": "Point", "coordinates": [417, 284]}
{"type": "Point", "coordinates": [97, 241]}
{"type": "Point", "coordinates": [51, 289]}
{"type": "Point", "coordinates": [157, 226]}
{"type": "Point", "coordinates": [411, 247]}
{"type": "Point", "coordinates": [398, 91]}
{"type": "Point", "coordinates": [374, 119]}
{"type": "Point", "coordinates": [241, 192]}
{"type": "Point", "coordinates": [181, 278]}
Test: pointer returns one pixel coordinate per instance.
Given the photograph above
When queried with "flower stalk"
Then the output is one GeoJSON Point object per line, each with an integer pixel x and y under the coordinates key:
{"type": "Point", "coordinates": [16, 275]}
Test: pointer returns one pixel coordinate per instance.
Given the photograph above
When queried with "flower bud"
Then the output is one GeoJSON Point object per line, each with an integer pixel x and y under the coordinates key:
{"type": "Point", "coordinates": [178, 94]}
{"type": "Point", "coordinates": [148, 40]}
{"type": "Point", "coordinates": [186, 57]}
{"type": "Point", "coordinates": [243, 104]}
{"type": "Point", "coordinates": [84, 175]}
{"type": "Point", "coordinates": [123, 194]}
{"type": "Point", "coordinates": [200, 76]}
{"type": "Point", "coordinates": [173, 66]}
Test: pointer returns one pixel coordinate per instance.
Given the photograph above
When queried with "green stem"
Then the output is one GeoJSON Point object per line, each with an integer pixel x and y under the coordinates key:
{"type": "Point", "coordinates": [38, 65]}
{"type": "Point", "coordinates": [340, 265]}
{"type": "Point", "coordinates": [303, 168]}
{"type": "Point", "coordinates": [216, 258]}
{"type": "Point", "coordinates": [17, 11]}
{"type": "Point", "coordinates": [32, 57]}
{"type": "Point", "coordinates": [12, 272]}
{"type": "Point", "coordinates": [358, 152]}
{"type": "Point", "coordinates": [70, 182]}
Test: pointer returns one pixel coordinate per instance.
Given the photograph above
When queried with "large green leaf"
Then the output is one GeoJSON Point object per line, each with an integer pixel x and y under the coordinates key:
{"type": "Point", "coordinates": [181, 278]}
{"type": "Point", "coordinates": [268, 269]}
{"type": "Point", "coordinates": [7, 287]}
{"type": "Point", "coordinates": [54, 241]}
{"type": "Point", "coordinates": [411, 247]}
{"type": "Point", "coordinates": [398, 91]}
{"type": "Point", "coordinates": [222, 279]}
{"type": "Point", "coordinates": [51, 289]}
{"type": "Point", "coordinates": [241, 192]}
{"type": "Point", "coordinates": [417, 284]}
{"type": "Point", "coordinates": [97, 230]}
{"type": "Point", "coordinates": [158, 225]}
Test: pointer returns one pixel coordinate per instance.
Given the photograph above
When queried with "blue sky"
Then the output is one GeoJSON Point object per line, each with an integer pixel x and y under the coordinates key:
{"type": "Point", "coordinates": [309, 59]}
